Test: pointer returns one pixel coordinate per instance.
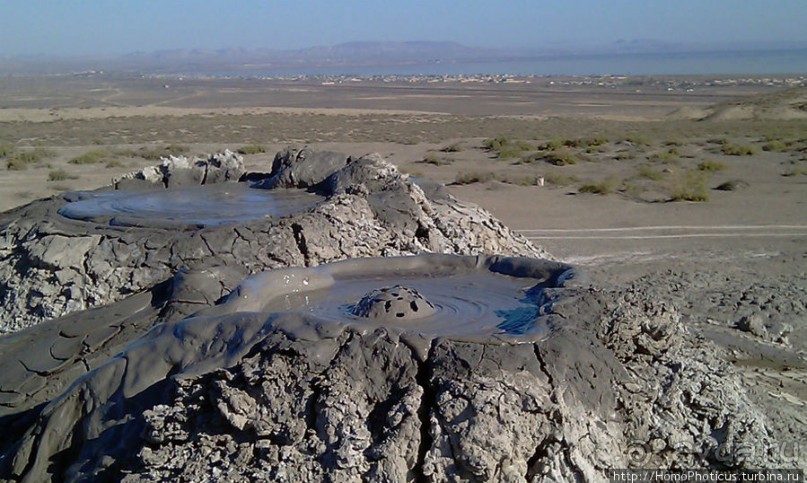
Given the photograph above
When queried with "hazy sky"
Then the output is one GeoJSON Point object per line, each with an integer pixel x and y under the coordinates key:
{"type": "Point", "coordinates": [79, 27]}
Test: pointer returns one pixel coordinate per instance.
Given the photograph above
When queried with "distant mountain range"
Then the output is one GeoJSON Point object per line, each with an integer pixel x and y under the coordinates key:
{"type": "Point", "coordinates": [352, 54]}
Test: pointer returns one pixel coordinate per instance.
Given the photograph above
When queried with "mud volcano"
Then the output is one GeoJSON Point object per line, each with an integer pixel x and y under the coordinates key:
{"type": "Point", "coordinates": [509, 369]}
{"type": "Point", "coordinates": [208, 216]}
{"type": "Point", "coordinates": [475, 299]}
{"type": "Point", "coordinates": [207, 205]}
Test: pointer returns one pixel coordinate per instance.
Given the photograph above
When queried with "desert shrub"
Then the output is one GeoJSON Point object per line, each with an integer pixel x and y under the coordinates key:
{"type": "Point", "coordinates": [721, 141]}
{"type": "Point", "coordinates": [711, 166]}
{"type": "Point", "coordinates": [15, 164]}
{"type": "Point", "coordinates": [689, 185]}
{"type": "Point", "coordinates": [6, 150]}
{"type": "Point", "coordinates": [90, 157]}
{"type": "Point", "coordinates": [452, 148]}
{"type": "Point", "coordinates": [114, 163]}
{"type": "Point", "coordinates": [650, 173]}
{"type": "Point", "coordinates": [520, 180]}
{"type": "Point", "coordinates": [507, 148]}
{"type": "Point", "coordinates": [638, 140]}
{"type": "Point", "coordinates": [560, 157]}
{"type": "Point", "coordinates": [435, 160]}
{"type": "Point", "coordinates": [559, 179]}
{"type": "Point", "coordinates": [633, 189]}
{"type": "Point", "coordinates": [673, 142]}
{"type": "Point", "coordinates": [665, 157]}
{"type": "Point", "coordinates": [60, 187]}
{"type": "Point", "coordinates": [738, 150]}
{"type": "Point", "coordinates": [156, 153]}
{"type": "Point", "coordinates": [60, 175]}
{"type": "Point", "coordinates": [624, 156]}
{"type": "Point", "coordinates": [795, 172]}
{"type": "Point", "coordinates": [674, 151]}
{"type": "Point", "coordinates": [251, 149]}
{"type": "Point", "coordinates": [775, 145]}
{"type": "Point", "coordinates": [471, 177]}
{"type": "Point", "coordinates": [601, 188]}
{"type": "Point", "coordinates": [551, 145]}
{"type": "Point", "coordinates": [33, 156]}
{"type": "Point", "coordinates": [495, 144]}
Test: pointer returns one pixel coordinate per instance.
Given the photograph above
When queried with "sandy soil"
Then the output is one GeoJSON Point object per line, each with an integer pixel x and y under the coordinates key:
{"type": "Point", "coordinates": [740, 252]}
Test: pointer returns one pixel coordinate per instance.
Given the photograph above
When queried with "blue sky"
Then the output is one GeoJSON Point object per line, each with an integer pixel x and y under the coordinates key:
{"type": "Point", "coordinates": [78, 27]}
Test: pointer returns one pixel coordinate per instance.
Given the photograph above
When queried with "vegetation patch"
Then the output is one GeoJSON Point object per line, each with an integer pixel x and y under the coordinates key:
{"type": "Point", "coordinates": [559, 179]}
{"type": "Point", "coordinates": [650, 173]}
{"type": "Point", "coordinates": [795, 172]}
{"type": "Point", "coordinates": [709, 165]}
{"type": "Point", "coordinates": [560, 157]}
{"type": "Point", "coordinates": [776, 145]}
{"type": "Point", "coordinates": [435, 160]}
{"type": "Point", "coordinates": [90, 157]}
{"type": "Point", "coordinates": [251, 149]}
{"type": "Point", "coordinates": [470, 177]}
{"type": "Point", "coordinates": [452, 148]}
{"type": "Point", "coordinates": [604, 187]}
{"type": "Point", "coordinates": [664, 157]}
{"type": "Point", "coordinates": [738, 150]}
{"type": "Point", "coordinates": [638, 140]}
{"type": "Point", "coordinates": [60, 175]}
{"type": "Point", "coordinates": [6, 150]}
{"type": "Point", "coordinates": [689, 185]}
{"type": "Point", "coordinates": [505, 147]}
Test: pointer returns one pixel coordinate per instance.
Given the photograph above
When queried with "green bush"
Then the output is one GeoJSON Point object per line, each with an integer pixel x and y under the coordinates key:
{"type": "Point", "coordinates": [559, 179]}
{"type": "Point", "coordinates": [520, 180]}
{"type": "Point", "coordinates": [738, 150]}
{"type": "Point", "coordinates": [552, 145]}
{"type": "Point", "coordinates": [15, 164]}
{"type": "Point", "coordinates": [775, 145]}
{"type": "Point", "coordinates": [795, 172]}
{"type": "Point", "coordinates": [251, 149]}
{"type": "Point", "coordinates": [601, 188]}
{"type": "Point", "coordinates": [452, 148]}
{"type": "Point", "coordinates": [474, 177]}
{"type": "Point", "coordinates": [114, 163]}
{"type": "Point", "coordinates": [560, 157]}
{"type": "Point", "coordinates": [650, 173]}
{"type": "Point", "coordinates": [60, 175]}
{"type": "Point", "coordinates": [35, 155]}
{"type": "Point", "coordinates": [689, 185]}
{"type": "Point", "coordinates": [624, 156]}
{"type": "Point", "coordinates": [638, 140]}
{"type": "Point", "coordinates": [90, 157]}
{"type": "Point", "coordinates": [6, 150]}
{"type": "Point", "coordinates": [665, 157]}
{"type": "Point", "coordinates": [711, 166]}
{"type": "Point", "coordinates": [435, 159]}
{"type": "Point", "coordinates": [506, 148]}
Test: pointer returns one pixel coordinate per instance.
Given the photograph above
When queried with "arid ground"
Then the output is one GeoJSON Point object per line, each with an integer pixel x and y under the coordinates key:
{"type": "Point", "coordinates": [693, 190]}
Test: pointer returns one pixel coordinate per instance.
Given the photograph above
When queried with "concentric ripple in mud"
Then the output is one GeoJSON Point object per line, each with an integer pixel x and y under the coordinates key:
{"type": "Point", "coordinates": [205, 205]}
{"type": "Point", "coordinates": [461, 297]}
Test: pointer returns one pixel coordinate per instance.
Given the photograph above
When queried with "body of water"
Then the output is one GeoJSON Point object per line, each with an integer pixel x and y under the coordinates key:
{"type": "Point", "coordinates": [778, 62]}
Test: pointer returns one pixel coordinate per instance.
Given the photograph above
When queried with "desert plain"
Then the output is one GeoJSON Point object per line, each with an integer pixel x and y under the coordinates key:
{"type": "Point", "coordinates": [691, 190]}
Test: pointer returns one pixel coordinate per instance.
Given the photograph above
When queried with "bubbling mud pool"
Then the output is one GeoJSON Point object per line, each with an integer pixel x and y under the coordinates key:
{"type": "Point", "coordinates": [205, 205]}
{"type": "Point", "coordinates": [473, 298]}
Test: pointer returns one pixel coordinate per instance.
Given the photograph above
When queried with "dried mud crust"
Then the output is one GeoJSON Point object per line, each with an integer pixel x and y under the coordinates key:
{"type": "Point", "coordinates": [618, 383]}
{"type": "Point", "coordinates": [51, 265]}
